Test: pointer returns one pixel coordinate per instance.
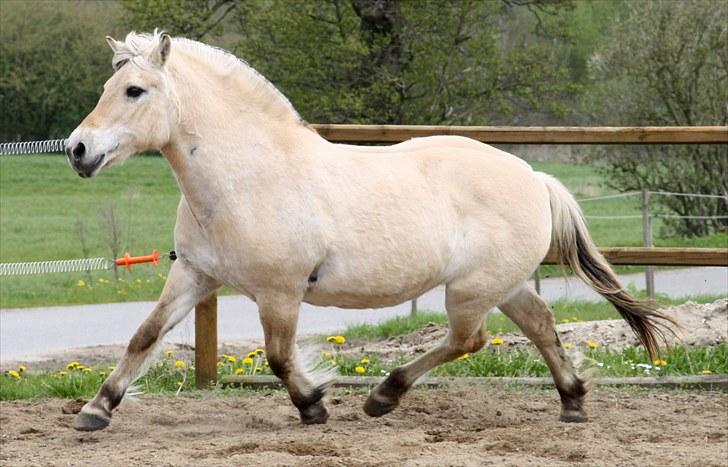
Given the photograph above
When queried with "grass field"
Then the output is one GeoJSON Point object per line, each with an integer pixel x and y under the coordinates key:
{"type": "Point", "coordinates": [42, 203]}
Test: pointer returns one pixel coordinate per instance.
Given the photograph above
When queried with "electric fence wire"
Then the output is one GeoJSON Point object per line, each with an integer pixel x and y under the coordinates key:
{"type": "Point", "coordinates": [63, 265]}
{"type": "Point", "coordinates": [32, 147]}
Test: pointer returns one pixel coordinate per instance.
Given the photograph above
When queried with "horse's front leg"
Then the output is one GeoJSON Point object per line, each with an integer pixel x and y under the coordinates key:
{"type": "Point", "coordinates": [183, 289]}
{"type": "Point", "coordinates": [279, 318]}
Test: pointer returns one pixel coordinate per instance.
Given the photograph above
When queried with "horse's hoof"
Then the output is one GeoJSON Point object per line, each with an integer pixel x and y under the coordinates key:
{"type": "Point", "coordinates": [90, 422]}
{"type": "Point", "coordinates": [314, 415]}
{"type": "Point", "coordinates": [573, 417]}
{"type": "Point", "coordinates": [375, 408]}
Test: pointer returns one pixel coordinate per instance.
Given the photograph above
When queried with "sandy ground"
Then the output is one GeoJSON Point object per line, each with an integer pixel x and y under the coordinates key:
{"type": "Point", "coordinates": [456, 426]}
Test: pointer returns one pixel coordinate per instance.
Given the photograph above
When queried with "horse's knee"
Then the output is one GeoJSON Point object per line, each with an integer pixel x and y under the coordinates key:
{"type": "Point", "coordinates": [145, 337]}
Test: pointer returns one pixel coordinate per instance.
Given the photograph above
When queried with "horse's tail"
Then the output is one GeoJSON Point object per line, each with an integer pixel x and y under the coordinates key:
{"type": "Point", "coordinates": [572, 244]}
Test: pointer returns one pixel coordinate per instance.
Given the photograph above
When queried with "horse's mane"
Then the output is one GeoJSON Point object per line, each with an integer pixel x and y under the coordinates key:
{"type": "Point", "coordinates": [138, 46]}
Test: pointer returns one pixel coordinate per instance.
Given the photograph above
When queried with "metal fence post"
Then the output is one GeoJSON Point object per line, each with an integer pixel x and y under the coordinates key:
{"type": "Point", "coordinates": [413, 310]}
{"type": "Point", "coordinates": [206, 342]}
{"type": "Point", "coordinates": [537, 282]}
{"type": "Point", "coordinates": [647, 238]}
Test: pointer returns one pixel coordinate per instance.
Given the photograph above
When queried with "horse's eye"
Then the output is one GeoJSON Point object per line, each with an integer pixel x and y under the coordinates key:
{"type": "Point", "coordinates": [134, 91]}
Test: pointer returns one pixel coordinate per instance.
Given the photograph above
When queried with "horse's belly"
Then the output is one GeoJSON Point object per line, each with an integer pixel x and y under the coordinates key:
{"type": "Point", "coordinates": [362, 299]}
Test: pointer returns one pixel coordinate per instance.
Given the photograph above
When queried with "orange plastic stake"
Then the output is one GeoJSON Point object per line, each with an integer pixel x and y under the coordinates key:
{"type": "Point", "coordinates": [127, 260]}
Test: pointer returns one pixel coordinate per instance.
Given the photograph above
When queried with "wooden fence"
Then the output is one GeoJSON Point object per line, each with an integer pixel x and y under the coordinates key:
{"type": "Point", "coordinates": [206, 311]}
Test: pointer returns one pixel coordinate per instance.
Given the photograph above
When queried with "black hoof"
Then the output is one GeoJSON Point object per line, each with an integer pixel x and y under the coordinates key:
{"type": "Point", "coordinates": [375, 408]}
{"type": "Point", "coordinates": [90, 422]}
{"type": "Point", "coordinates": [314, 415]}
{"type": "Point", "coordinates": [573, 417]}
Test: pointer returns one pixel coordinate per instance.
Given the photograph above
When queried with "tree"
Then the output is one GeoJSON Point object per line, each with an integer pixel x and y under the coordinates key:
{"type": "Point", "coordinates": [386, 61]}
{"type": "Point", "coordinates": [667, 64]}
{"type": "Point", "coordinates": [54, 61]}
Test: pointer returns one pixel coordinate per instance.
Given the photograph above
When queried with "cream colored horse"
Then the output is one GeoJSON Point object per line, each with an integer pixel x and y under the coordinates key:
{"type": "Point", "coordinates": [273, 210]}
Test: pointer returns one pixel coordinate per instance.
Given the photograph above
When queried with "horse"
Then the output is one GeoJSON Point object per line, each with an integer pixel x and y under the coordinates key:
{"type": "Point", "coordinates": [283, 216]}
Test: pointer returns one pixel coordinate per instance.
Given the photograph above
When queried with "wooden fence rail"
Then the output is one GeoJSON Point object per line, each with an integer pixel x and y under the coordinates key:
{"type": "Point", "coordinates": [206, 311]}
{"type": "Point", "coordinates": [528, 135]}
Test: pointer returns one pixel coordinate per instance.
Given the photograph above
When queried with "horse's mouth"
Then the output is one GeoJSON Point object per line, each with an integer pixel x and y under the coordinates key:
{"type": "Point", "coordinates": [89, 170]}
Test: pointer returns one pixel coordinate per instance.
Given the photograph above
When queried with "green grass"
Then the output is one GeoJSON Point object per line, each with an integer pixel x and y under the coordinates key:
{"type": "Point", "coordinates": [41, 201]}
{"type": "Point", "coordinates": [167, 378]}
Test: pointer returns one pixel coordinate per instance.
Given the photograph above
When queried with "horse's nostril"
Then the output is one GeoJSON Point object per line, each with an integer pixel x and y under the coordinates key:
{"type": "Point", "coordinates": [79, 151]}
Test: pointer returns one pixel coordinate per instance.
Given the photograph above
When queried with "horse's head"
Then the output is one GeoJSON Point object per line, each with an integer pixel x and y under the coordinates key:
{"type": "Point", "coordinates": [136, 112]}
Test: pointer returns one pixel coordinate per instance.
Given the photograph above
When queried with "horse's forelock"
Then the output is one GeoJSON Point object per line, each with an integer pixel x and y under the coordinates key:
{"type": "Point", "coordinates": [136, 46]}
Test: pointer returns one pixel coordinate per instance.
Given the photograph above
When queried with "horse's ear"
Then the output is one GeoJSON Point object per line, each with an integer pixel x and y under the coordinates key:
{"type": "Point", "coordinates": [114, 44]}
{"type": "Point", "coordinates": [161, 51]}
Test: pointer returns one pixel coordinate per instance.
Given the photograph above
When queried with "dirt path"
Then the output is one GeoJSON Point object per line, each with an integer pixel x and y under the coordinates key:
{"type": "Point", "coordinates": [464, 426]}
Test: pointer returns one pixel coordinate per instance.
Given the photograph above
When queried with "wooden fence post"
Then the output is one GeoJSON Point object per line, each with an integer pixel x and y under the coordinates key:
{"type": "Point", "coordinates": [206, 342]}
{"type": "Point", "coordinates": [647, 238]}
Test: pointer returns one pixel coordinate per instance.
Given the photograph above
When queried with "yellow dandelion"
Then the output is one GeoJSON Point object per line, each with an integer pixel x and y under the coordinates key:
{"type": "Point", "coordinates": [239, 371]}
{"type": "Point", "coordinates": [61, 373]}
{"type": "Point", "coordinates": [220, 364]}
{"type": "Point", "coordinates": [13, 374]}
{"type": "Point", "coordinates": [73, 365]}
{"type": "Point", "coordinates": [22, 368]}
{"type": "Point", "coordinates": [574, 318]}
{"type": "Point", "coordinates": [80, 283]}
{"type": "Point", "coordinates": [496, 341]}
{"type": "Point", "coordinates": [364, 361]}
{"type": "Point", "coordinates": [87, 369]}
{"type": "Point", "coordinates": [464, 356]}
{"type": "Point", "coordinates": [231, 359]}
{"type": "Point", "coordinates": [705, 371]}
{"type": "Point", "coordinates": [252, 354]}
{"type": "Point", "coordinates": [326, 354]}
{"type": "Point", "coordinates": [247, 361]}
{"type": "Point", "coordinates": [258, 370]}
{"type": "Point", "coordinates": [111, 368]}
{"type": "Point", "coordinates": [338, 340]}
{"type": "Point", "coordinates": [592, 344]}
{"type": "Point", "coordinates": [567, 346]}
{"type": "Point", "coordinates": [565, 320]}
{"type": "Point", "coordinates": [102, 373]}
{"type": "Point", "coordinates": [179, 364]}
{"type": "Point", "coordinates": [660, 362]}
{"type": "Point", "coordinates": [180, 383]}
{"type": "Point", "coordinates": [360, 369]}
{"type": "Point", "coordinates": [332, 361]}
{"type": "Point", "coordinates": [259, 351]}
{"type": "Point", "coordinates": [169, 353]}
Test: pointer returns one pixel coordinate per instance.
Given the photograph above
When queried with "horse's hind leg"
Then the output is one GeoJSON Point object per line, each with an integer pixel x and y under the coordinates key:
{"type": "Point", "coordinates": [535, 319]}
{"type": "Point", "coordinates": [279, 317]}
{"type": "Point", "coordinates": [183, 289]}
{"type": "Point", "coordinates": [465, 312]}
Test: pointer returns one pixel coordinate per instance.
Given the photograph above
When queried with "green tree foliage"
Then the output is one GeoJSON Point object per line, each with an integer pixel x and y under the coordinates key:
{"type": "Point", "coordinates": [667, 64]}
{"type": "Point", "coordinates": [193, 19]}
{"type": "Point", "coordinates": [386, 61]}
{"type": "Point", "coordinates": [54, 61]}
